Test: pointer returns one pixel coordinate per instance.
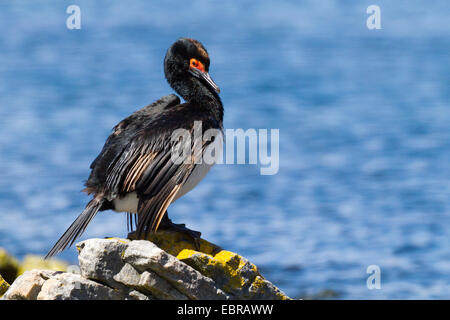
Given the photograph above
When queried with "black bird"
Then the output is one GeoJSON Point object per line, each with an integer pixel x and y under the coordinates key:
{"type": "Point", "coordinates": [135, 172]}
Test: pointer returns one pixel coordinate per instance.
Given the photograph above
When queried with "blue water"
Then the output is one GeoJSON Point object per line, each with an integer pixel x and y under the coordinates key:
{"type": "Point", "coordinates": [364, 119]}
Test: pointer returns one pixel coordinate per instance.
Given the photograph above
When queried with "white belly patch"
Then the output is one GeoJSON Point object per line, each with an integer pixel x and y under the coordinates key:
{"type": "Point", "coordinates": [129, 203]}
{"type": "Point", "coordinates": [196, 176]}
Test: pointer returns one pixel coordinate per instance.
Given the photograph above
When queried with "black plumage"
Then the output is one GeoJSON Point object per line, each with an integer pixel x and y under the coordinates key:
{"type": "Point", "coordinates": [136, 157]}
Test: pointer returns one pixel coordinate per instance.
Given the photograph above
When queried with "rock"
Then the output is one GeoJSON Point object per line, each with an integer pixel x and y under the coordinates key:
{"type": "Point", "coordinates": [9, 266]}
{"type": "Point", "coordinates": [145, 255]}
{"type": "Point", "coordinates": [101, 259]}
{"type": "Point", "coordinates": [55, 285]}
{"type": "Point", "coordinates": [28, 285]}
{"type": "Point", "coordinates": [233, 273]}
{"type": "Point", "coordinates": [167, 268]}
{"type": "Point", "coordinates": [136, 295]}
{"type": "Point", "coordinates": [69, 286]}
{"type": "Point", "coordinates": [148, 282]}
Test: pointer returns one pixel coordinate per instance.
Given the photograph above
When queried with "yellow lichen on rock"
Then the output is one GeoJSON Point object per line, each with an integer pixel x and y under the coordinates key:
{"type": "Point", "coordinates": [118, 239]}
{"type": "Point", "coordinates": [232, 272]}
{"type": "Point", "coordinates": [175, 242]}
{"type": "Point", "coordinates": [31, 262]}
{"type": "Point", "coordinates": [261, 287]}
{"type": "Point", "coordinates": [9, 266]}
{"type": "Point", "coordinates": [3, 286]}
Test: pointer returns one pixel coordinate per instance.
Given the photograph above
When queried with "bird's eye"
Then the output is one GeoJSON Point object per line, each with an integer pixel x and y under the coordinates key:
{"type": "Point", "coordinates": [194, 63]}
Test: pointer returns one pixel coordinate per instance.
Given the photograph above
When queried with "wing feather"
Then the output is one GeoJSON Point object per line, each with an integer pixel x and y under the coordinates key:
{"type": "Point", "coordinates": [118, 153]}
{"type": "Point", "coordinates": [137, 171]}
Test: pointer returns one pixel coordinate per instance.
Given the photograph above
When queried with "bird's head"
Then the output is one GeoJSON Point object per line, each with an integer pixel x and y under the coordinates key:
{"type": "Point", "coordinates": [186, 67]}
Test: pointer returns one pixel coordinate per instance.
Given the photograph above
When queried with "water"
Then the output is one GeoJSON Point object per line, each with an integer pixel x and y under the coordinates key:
{"type": "Point", "coordinates": [364, 125]}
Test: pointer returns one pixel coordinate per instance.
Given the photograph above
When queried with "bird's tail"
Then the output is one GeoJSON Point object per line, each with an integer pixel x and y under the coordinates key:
{"type": "Point", "coordinates": [77, 227]}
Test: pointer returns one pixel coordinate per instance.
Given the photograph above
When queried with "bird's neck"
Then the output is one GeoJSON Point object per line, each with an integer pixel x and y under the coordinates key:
{"type": "Point", "coordinates": [200, 96]}
{"type": "Point", "coordinates": [210, 103]}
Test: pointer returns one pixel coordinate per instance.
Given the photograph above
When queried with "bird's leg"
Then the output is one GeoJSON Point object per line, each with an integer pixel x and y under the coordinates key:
{"type": "Point", "coordinates": [167, 224]}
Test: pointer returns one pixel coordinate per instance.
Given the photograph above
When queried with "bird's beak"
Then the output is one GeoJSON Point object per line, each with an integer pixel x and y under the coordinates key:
{"type": "Point", "coordinates": [205, 76]}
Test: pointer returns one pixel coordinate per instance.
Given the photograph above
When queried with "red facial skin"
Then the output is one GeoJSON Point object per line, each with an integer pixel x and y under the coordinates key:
{"type": "Point", "coordinates": [194, 63]}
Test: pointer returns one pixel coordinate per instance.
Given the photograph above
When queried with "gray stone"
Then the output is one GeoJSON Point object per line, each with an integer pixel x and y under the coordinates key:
{"type": "Point", "coordinates": [144, 255]}
{"type": "Point", "coordinates": [128, 276]}
{"type": "Point", "coordinates": [148, 282]}
{"type": "Point", "coordinates": [264, 291]}
{"type": "Point", "coordinates": [101, 259]}
{"type": "Point", "coordinates": [159, 287]}
{"type": "Point", "coordinates": [136, 295]}
{"type": "Point", "coordinates": [69, 286]}
{"type": "Point", "coordinates": [28, 285]}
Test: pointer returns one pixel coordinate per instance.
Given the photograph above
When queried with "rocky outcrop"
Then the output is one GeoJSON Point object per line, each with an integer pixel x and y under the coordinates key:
{"type": "Point", "coordinates": [167, 267]}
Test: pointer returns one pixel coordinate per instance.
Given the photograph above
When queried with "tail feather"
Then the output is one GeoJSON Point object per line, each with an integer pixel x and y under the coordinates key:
{"type": "Point", "coordinates": [77, 227]}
